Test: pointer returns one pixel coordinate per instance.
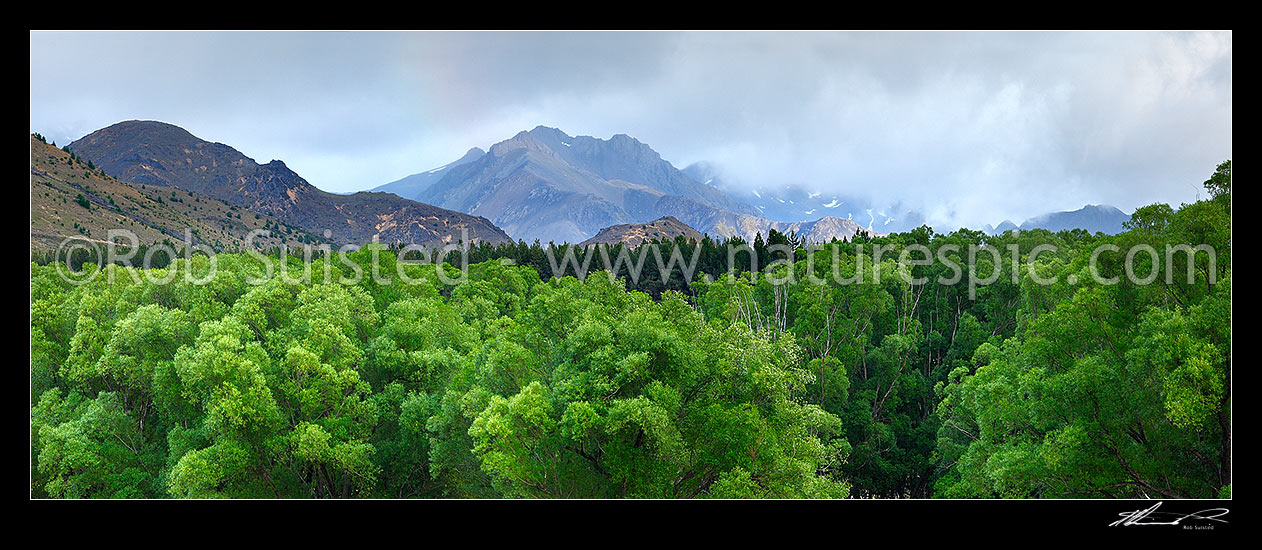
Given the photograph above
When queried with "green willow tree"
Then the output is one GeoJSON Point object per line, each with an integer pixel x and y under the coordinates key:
{"type": "Point", "coordinates": [1109, 390]}
{"type": "Point", "coordinates": [879, 367]}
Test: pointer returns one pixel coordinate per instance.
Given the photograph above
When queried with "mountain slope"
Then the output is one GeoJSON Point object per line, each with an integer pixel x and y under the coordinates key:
{"type": "Point", "coordinates": [547, 185]}
{"type": "Point", "coordinates": [411, 187]}
{"type": "Point", "coordinates": [156, 153]}
{"type": "Point", "coordinates": [626, 159]}
{"type": "Point", "coordinates": [633, 234]}
{"type": "Point", "coordinates": [69, 199]}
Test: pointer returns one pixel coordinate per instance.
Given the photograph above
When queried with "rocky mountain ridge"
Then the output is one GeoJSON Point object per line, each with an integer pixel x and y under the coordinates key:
{"type": "Point", "coordinates": [160, 154]}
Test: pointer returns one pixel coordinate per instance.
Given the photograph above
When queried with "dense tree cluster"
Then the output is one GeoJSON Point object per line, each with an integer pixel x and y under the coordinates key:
{"type": "Point", "coordinates": [796, 380]}
{"type": "Point", "coordinates": [505, 385]}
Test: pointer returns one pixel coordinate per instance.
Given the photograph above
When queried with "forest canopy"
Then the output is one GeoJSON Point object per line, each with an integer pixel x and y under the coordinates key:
{"type": "Point", "coordinates": [513, 383]}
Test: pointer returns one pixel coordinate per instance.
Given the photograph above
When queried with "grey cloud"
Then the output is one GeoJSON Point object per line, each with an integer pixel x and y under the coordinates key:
{"type": "Point", "coordinates": [969, 128]}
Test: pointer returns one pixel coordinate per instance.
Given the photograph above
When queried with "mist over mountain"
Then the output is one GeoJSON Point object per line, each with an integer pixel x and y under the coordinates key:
{"type": "Point", "coordinates": [161, 154]}
{"type": "Point", "coordinates": [796, 203]}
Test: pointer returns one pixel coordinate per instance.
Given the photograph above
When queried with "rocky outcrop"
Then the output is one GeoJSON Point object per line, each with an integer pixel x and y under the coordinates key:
{"type": "Point", "coordinates": [634, 234]}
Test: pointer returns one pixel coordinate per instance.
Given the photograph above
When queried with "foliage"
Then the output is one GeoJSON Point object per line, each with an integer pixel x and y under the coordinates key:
{"type": "Point", "coordinates": [807, 378]}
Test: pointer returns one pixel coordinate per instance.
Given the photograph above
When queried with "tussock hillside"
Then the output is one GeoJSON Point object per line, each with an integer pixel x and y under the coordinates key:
{"type": "Point", "coordinates": [69, 197]}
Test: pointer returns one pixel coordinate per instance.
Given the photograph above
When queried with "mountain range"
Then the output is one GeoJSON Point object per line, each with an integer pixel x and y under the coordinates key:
{"type": "Point", "coordinates": [541, 184]}
{"type": "Point", "coordinates": [546, 185]}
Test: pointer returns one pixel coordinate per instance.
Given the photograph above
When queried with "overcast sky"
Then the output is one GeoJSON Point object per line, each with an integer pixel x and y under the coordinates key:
{"type": "Point", "coordinates": [970, 128]}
